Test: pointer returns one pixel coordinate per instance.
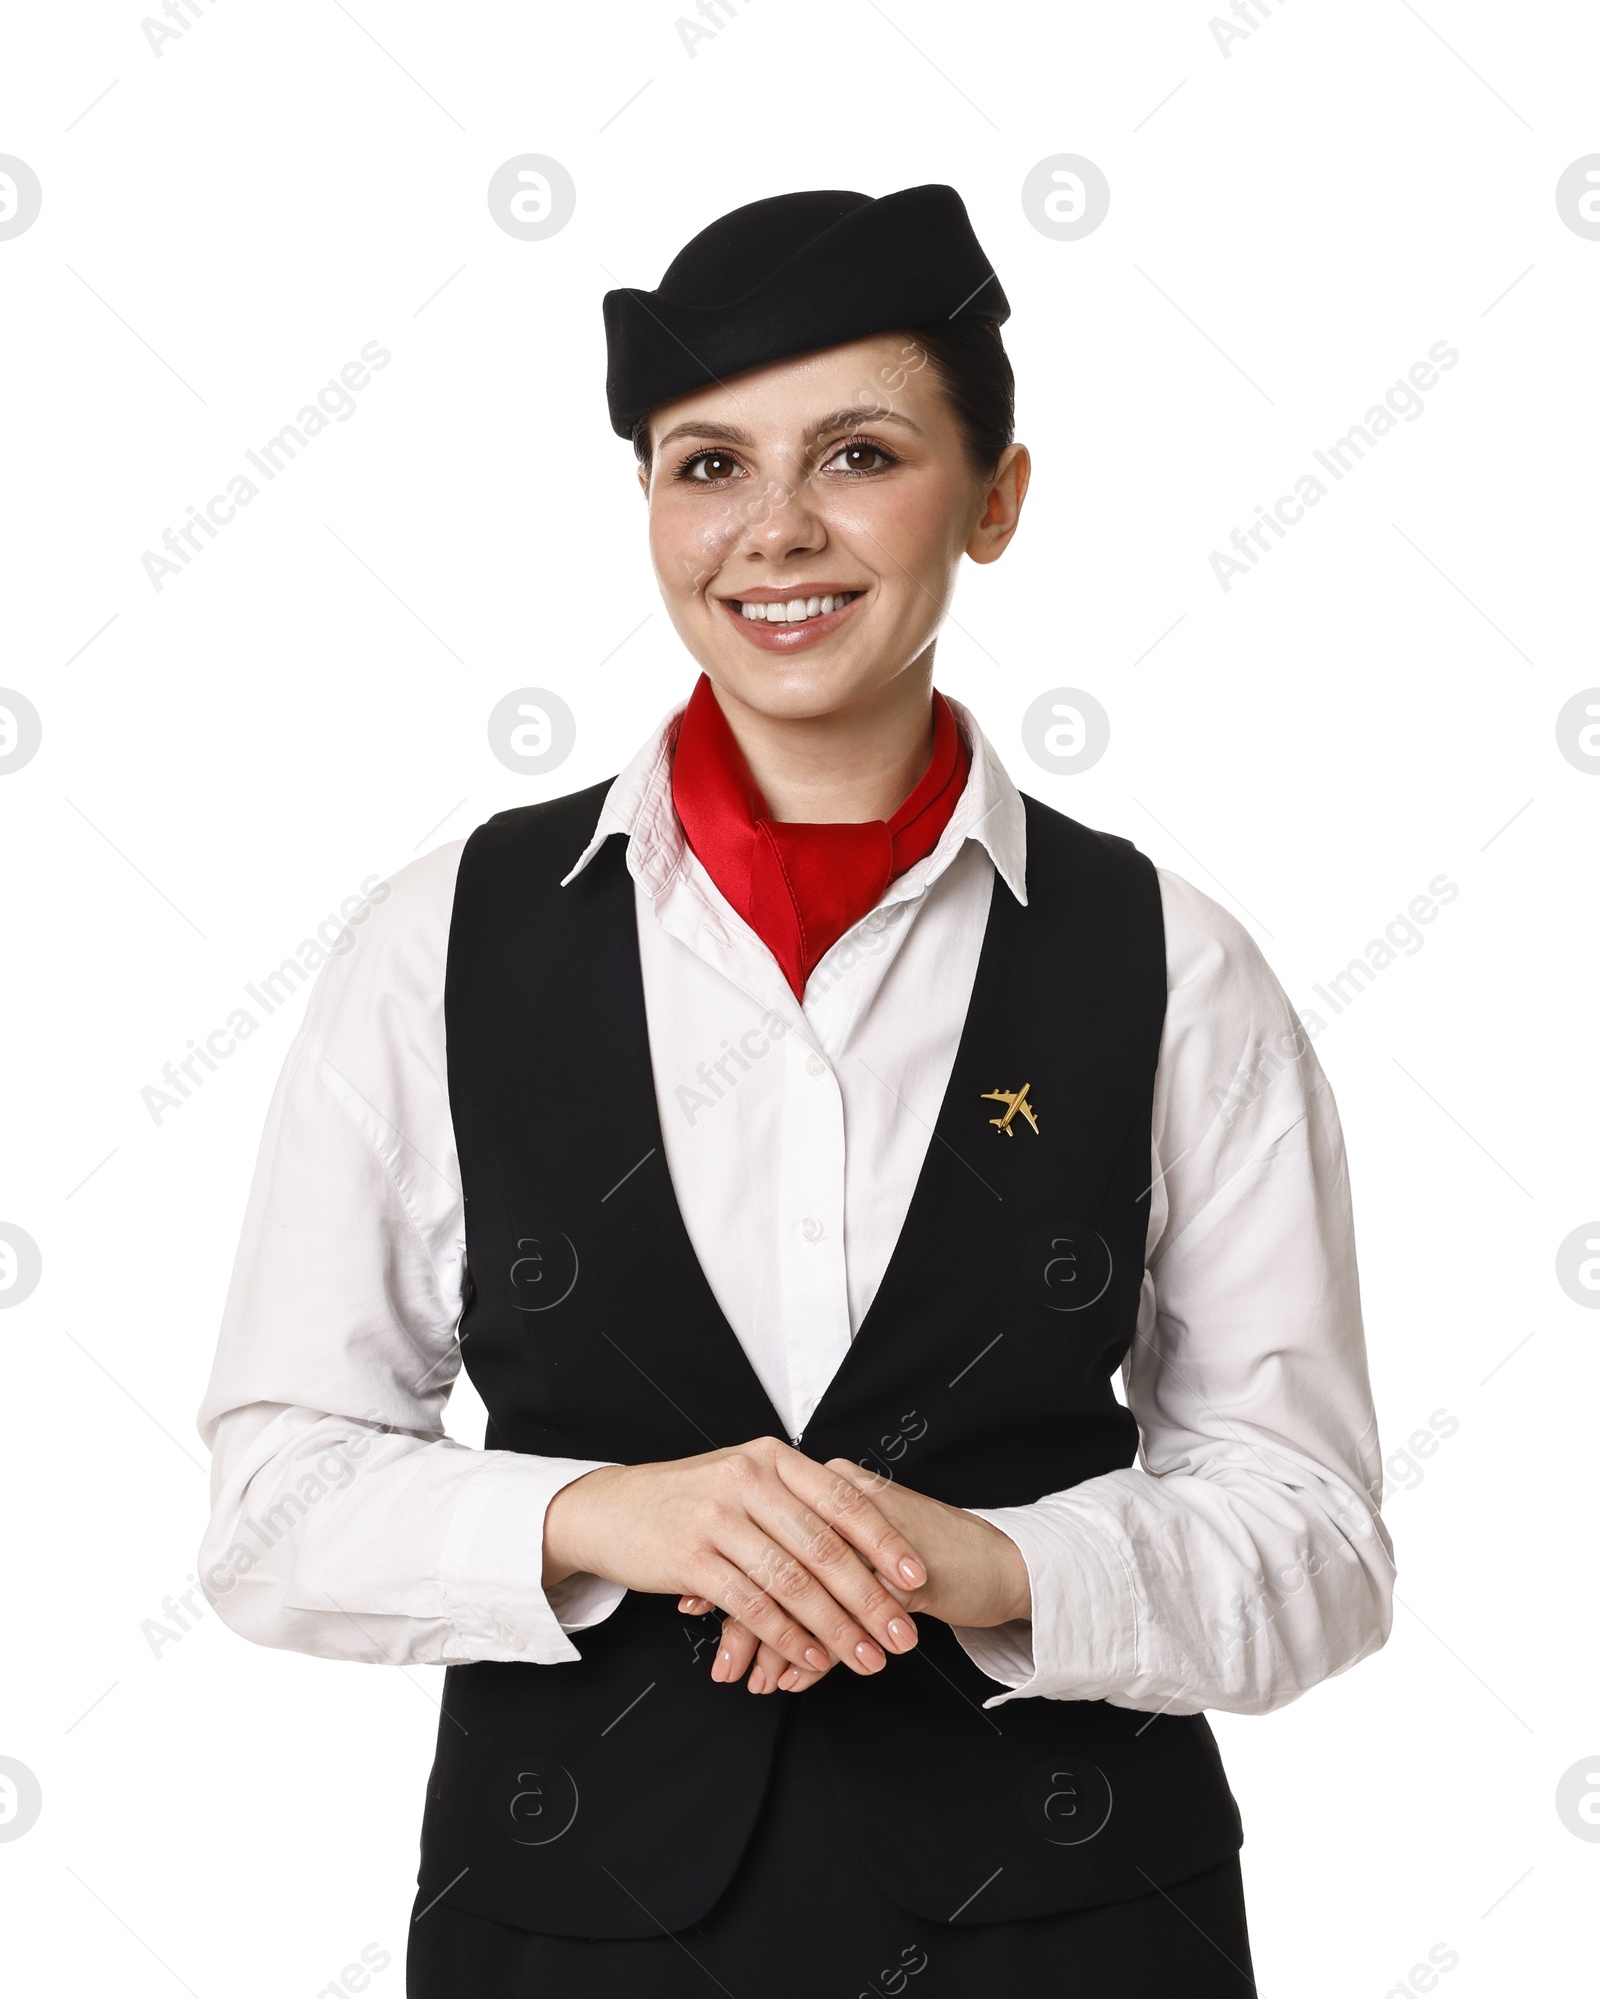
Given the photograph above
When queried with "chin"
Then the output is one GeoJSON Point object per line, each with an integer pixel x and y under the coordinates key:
{"type": "Point", "coordinates": [801, 689]}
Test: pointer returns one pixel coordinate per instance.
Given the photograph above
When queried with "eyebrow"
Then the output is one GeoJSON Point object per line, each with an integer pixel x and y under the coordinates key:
{"type": "Point", "coordinates": [854, 418]}
{"type": "Point", "coordinates": [843, 419]}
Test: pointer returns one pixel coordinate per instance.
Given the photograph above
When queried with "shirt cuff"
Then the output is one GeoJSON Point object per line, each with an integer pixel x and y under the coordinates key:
{"type": "Point", "coordinates": [583, 1600]}
{"type": "Point", "coordinates": [1081, 1642]}
{"type": "Point", "coordinates": [493, 1561]}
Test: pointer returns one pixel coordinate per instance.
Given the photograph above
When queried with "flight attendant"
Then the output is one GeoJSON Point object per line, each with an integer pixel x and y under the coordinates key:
{"type": "Point", "coordinates": [819, 1616]}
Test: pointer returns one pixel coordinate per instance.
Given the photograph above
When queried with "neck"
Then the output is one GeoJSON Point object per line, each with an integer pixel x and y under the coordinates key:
{"type": "Point", "coordinates": [855, 764]}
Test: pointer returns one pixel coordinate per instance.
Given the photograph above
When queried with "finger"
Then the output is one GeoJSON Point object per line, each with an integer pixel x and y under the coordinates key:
{"type": "Point", "coordinates": [764, 1674]}
{"type": "Point", "coordinates": [770, 1672]}
{"type": "Point", "coordinates": [773, 1673]}
{"type": "Point", "coordinates": [734, 1654]}
{"type": "Point", "coordinates": [772, 1505]}
{"type": "Point", "coordinates": [695, 1606]}
{"type": "Point", "coordinates": [749, 1613]}
{"type": "Point", "coordinates": [865, 1593]}
{"type": "Point", "coordinates": [840, 1494]}
{"type": "Point", "coordinates": [872, 1483]}
{"type": "Point", "coordinates": [759, 1526]}
{"type": "Point", "coordinates": [779, 1676]}
{"type": "Point", "coordinates": [782, 1601]}
{"type": "Point", "coordinates": [846, 1495]}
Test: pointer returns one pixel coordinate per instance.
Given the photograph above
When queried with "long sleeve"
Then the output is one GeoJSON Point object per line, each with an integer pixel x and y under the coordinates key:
{"type": "Point", "coordinates": [1242, 1560]}
{"type": "Point", "coordinates": [344, 1522]}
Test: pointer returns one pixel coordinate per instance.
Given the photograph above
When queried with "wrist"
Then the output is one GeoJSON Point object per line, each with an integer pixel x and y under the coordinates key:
{"type": "Point", "coordinates": [1020, 1591]}
{"type": "Point", "coordinates": [566, 1530]}
{"type": "Point", "coordinates": [1011, 1594]}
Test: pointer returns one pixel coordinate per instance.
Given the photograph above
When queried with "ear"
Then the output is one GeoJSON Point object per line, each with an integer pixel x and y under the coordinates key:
{"type": "Point", "coordinates": [644, 482]}
{"type": "Point", "coordinates": [1003, 496]}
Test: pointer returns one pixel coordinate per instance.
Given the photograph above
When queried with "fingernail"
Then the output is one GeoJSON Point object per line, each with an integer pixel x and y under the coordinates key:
{"type": "Point", "coordinates": [719, 1671]}
{"type": "Point", "coordinates": [912, 1571]}
{"type": "Point", "coordinates": [901, 1633]}
{"type": "Point", "coordinates": [870, 1656]}
{"type": "Point", "coordinates": [757, 1681]}
{"type": "Point", "coordinates": [790, 1680]}
{"type": "Point", "coordinates": [816, 1657]}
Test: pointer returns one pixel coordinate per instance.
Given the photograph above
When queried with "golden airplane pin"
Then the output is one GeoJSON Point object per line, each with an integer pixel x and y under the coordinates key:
{"type": "Point", "coordinates": [1016, 1102]}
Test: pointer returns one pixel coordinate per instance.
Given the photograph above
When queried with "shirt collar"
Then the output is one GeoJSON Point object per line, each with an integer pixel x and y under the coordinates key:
{"type": "Point", "coordinates": [639, 806]}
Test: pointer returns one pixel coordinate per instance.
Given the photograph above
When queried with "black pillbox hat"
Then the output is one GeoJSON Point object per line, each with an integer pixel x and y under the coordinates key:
{"type": "Point", "coordinates": [790, 275]}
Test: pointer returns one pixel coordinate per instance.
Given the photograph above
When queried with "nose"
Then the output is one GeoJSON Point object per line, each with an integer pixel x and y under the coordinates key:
{"type": "Point", "coordinates": [783, 520]}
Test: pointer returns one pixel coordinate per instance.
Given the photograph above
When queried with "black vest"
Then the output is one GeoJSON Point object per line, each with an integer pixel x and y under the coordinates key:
{"type": "Point", "coordinates": [615, 1796]}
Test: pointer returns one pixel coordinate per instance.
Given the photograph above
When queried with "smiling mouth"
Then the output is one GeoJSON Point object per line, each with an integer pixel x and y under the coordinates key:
{"type": "Point", "coordinates": [791, 610]}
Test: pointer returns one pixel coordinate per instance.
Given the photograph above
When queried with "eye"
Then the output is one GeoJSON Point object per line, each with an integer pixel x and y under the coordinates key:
{"type": "Point", "coordinates": [858, 455]}
{"type": "Point", "coordinates": [708, 468]}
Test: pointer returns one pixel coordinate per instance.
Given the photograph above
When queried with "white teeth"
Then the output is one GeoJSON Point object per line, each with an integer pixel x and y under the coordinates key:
{"type": "Point", "coordinates": [796, 609]}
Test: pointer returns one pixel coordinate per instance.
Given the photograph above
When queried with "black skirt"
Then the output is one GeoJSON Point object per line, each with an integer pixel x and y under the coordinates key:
{"type": "Point", "coordinates": [802, 1919]}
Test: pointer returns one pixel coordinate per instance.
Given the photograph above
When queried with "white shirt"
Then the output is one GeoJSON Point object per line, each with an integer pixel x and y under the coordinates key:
{"type": "Point", "coordinates": [1240, 1562]}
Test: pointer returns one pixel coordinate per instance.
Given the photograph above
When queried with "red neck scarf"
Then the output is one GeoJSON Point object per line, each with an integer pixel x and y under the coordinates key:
{"type": "Point", "coordinates": [801, 887]}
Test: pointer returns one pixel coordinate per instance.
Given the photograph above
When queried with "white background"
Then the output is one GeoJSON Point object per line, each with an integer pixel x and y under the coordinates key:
{"type": "Point", "coordinates": [224, 760]}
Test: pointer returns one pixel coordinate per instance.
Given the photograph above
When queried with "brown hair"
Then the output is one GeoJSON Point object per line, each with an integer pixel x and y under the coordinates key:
{"type": "Point", "coordinates": [974, 370]}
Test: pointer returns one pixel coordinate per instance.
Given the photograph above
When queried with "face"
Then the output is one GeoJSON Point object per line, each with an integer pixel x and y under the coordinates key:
{"type": "Point", "coordinates": [806, 521]}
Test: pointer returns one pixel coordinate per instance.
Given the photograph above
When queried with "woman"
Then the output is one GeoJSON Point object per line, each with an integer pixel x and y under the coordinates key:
{"type": "Point", "coordinates": [805, 1129]}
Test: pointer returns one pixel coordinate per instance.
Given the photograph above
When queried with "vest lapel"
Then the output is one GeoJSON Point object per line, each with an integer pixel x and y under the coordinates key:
{"type": "Point", "coordinates": [647, 1197]}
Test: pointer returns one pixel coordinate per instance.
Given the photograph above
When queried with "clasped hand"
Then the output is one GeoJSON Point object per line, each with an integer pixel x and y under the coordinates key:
{"type": "Point", "coordinates": [813, 1565]}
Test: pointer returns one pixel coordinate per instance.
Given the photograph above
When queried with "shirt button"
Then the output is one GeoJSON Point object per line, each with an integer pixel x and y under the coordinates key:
{"type": "Point", "coordinates": [811, 1229]}
{"type": "Point", "coordinates": [815, 1066]}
